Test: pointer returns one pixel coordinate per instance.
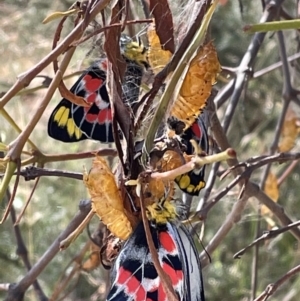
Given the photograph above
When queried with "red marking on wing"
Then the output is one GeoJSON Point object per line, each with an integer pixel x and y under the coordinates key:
{"type": "Point", "coordinates": [132, 285]}
{"type": "Point", "coordinates": [91, 117]}
{"type": "Point", "coordinates": [103, 65]}
{"type": "Point", "coordinates": [140, 294]}
{"type": "Point", "coordinates": [92, 84]}
{"type": "Point", "coordinates": [167, 242]}
{"type": "Point", "coordinates": [161, 295]}
{"type": "Point", "coordinates": [91, 98]}
{"type": "Point", "coordinates": [171, 273]}
{"type": "Point", "coordinates": [123, 275]}
{"type": "Point", "coordinates": [196, 130]}
{"type": "Point", "coordinates": [104, 116]}
{"type": "Point", "coordinates": [176, 276]}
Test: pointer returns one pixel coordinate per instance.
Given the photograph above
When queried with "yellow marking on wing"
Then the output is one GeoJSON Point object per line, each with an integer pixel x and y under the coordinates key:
{"type": "Point", "coordinates": [61, 116]}
{"type": "Point", "coordinates": [63, 120]}
{"type": "Point", "coordinates": [190, 188]}
{"type": "Point", "coordinates": [184, 181]}
{"type": "Point", "coordinates": [78, 132]}
{"type": "Point", "coordinates": [200, 186]}
{"type": "Point", "coordinates": [71, 127]}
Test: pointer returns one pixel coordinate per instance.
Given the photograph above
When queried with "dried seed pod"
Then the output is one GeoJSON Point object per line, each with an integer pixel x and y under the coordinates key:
{"type": "Point", "coordinates": [197, 85]}
{"type": "Point", "coordinates": [106, 199]}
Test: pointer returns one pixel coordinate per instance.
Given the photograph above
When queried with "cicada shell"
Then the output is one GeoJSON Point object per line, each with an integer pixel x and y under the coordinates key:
{"type": "Point", "coordinates": [171, 160]}
{"type": "Point", "coordinates": [106, 199]}
{"type": "Point", "coordinates": [157, 57]}
{"type": "Point", "coordinates": [157, 189]}
{"type": "Point", "coordinates": [161, 189]}
{"type": "Point", "coordinates": [197, 85]}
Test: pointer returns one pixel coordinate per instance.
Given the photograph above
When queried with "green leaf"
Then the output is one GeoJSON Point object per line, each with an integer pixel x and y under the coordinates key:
{"type": "Point", "coordinates": [273, 26]}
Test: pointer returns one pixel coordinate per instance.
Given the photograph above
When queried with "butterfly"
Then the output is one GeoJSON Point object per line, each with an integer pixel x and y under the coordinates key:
{"type": "Point", "coordinates": [193, 181]}
{"type": "Point", "coordinates": [71, 123]}
{"type": "Point", "coordinates": [134, 276]}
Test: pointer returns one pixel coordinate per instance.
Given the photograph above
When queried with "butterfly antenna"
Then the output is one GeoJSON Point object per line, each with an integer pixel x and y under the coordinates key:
{"type": "Point", "coordinates": [139, 34]}
{"type": "Point", "coordinates": [131, 202]}
{"type": "Point", "coordinates": [199, 238]}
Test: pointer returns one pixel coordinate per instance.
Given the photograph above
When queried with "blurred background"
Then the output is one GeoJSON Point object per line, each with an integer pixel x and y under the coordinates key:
{"type": "Point", "coordinates": [24, 41]}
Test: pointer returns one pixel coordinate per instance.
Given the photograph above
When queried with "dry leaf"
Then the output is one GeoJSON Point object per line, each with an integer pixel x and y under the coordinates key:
{"type": "Point", "coordinates": [93, 261]}
{"type": "Point", "coordinates": [271, 190]}
{"type": "Point", "coordinates": [59, 14]}
{"type": "Point", "coordinates": [164, 23]}
{"type": "Point", "coordinates": [289, 132]}
{"type": "Point", "coordinates": [197, 85]}
{"type": "Point", "coordinates": [106, 199]}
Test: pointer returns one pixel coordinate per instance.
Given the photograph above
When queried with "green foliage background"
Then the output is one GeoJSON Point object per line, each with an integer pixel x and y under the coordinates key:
{"type": "Point", "coordinates": [25, 41]}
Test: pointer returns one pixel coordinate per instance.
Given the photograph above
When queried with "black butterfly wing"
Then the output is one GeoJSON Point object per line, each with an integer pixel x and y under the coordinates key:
{"type": "Point", "coordinates": [61, 125]}
{"type": "Point", "coordinates": [72, 123]}
{"type": "Point", "coordinates": [193, 181]}
{"type": "Point", "coordinates": [134, 276]}
{"type": "Point", "coordinates": [194, 289]}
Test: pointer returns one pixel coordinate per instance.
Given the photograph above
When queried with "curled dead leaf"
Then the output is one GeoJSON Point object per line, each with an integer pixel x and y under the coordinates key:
{"type": "Point", "coordinates": [271, 189]}
{"type": "Point", "coordinates": [93, 261]}
{"type": "Point", "coordinates": [58, 14]}
{"type": "Point", "coordinates": [162, 14]}
{"type": "Point", "coordinates": [289, 132]}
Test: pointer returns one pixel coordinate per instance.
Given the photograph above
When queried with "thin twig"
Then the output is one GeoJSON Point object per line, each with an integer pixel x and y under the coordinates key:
{"type": "Point", "coordinates": [287, 172]}
{"type": "Point", "coordinates": [247, 63]}
{"type": "Point", "coordinates": [27, 201]}
{"type": "Point", "coordinates": [271, 288]}
{"type": "Point", "coordinates": [17, 291]}
{"type": "Point", "coordinates": [25, 78]}
{"type": "Point", "coordinates": [287, 95]}
{"type": "Point", "coordinates": [23, 253]}
{"type": "Point", "coordinates": [32, 172]}
{"type": "Point", "coordinates": [73, 236]}
{"type": "Point", "coordinates": [267, 235]}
